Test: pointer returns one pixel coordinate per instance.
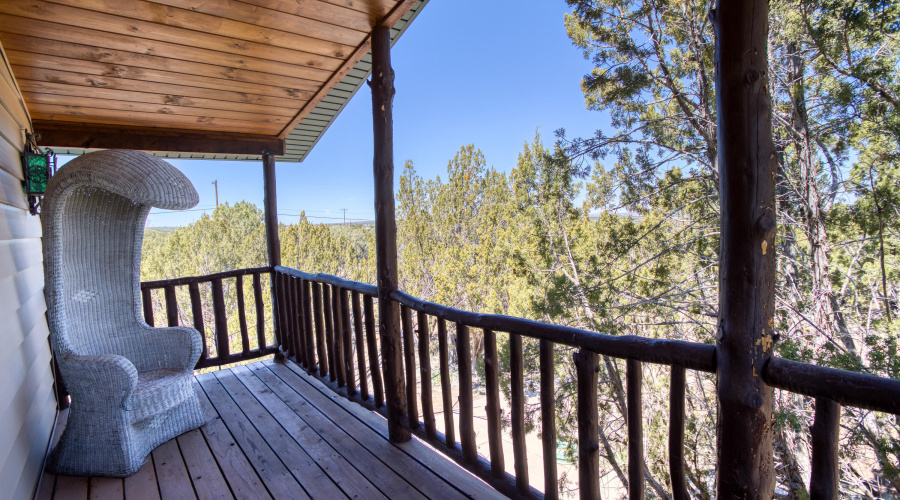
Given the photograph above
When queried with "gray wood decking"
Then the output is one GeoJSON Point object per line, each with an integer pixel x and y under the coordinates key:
{"type": "Point", "coordinates": [278, 433]}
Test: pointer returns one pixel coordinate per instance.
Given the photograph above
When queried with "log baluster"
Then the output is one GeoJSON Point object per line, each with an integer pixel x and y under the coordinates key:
{"type": "Point", "coordinates": [338, 348]}
{"type": "Point", "coordinates": [296, 311]}
{"type": "Point", "coordinates": [492, 407]}
{"type": "Point", "coordinates": [825, 438]}
{"type": "Point", "coordinates": [548, 419]}
{"type": "Point", "coordinates": [197, 313]}
{"type": "Point", "coordinates": [634, 375]}
{"type": "Point", "coordinates": [347, 350]}
{"type": "Point", "coordinates": [586, 368]}
{"type": "Point", "coordinates": [446, 394]}
{"type": "Point", "coordinates": [676, 434]}
{"type": "Point", "coordinates": [147, 299]}
{"type": "Point", "coordinates": [308, 330]}
{"type": "Point", "coordinates": [289, 336]}
{"type": "Point", "coordinates": [359, 335]}
{"type": "Point", "coordinates": [320, 328]}
{"type": "Point", "coordinates": [220, 318]}
{"type": "Point", "coordinates": [242, 314]}
{"type": "Point", "coordinates": [517, 411]}
{"type": "Point", "coordinates": [425, 373]}
{"type": "Point", "coordinates": [171, 305]}
{"type": "Point", "coordinates": [280, 311]}
{"type": "Point", "coordinates": [466, 405]}
{"type": "Point", "coordinates": [290, 324]}
{"type": "Point", "coordinates": [260, 312]}
{"type": "Point", "coordinates": [374, 365]}
{"type": "Point", "coordinates": [329, 332]}
{"type": "Point", "coordinates": [409, 357]}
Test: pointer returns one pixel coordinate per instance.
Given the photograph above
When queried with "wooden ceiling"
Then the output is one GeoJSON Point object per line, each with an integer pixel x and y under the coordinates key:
{"type": "Point", "coordinates": [195, 76]}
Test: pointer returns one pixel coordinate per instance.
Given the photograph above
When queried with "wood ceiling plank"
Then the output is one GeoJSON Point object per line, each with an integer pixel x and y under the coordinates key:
{"type": "Point", "coordinates": [155, 120]}
{"type": "Point", "coordinates": [69, 78]}
{"type": "Point", "coordinates": [39, 102]}
{"type": "Point", "coordinates": [41, 10]}
{"type": "Point", "coordinates": [205, 23]}
{"type": "Point", "coordinates": [88, 136]}
{"type": "Point", "coordinates": [26, 44]}
{"type": "Point", "coordinates": [376, 9]}
{"type": "Point", "coordinates": [320, 11]}
{"type": "Point", "coordinates": [123, 72]}
{"type": "Point", "coordinates": [62, 90]}
{"type": "Point", "coordinates": [261, 16]}
{"type": "Point", "coordinates": [44, 30]}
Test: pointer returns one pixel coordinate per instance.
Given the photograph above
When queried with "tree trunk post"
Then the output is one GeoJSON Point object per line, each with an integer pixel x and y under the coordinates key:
{"type": "Point", "coordinates": [747, 162]}
{"type": "Point", "coordinates": [273, 244]}
{"type": "Point", "coordinates": [382, 85]}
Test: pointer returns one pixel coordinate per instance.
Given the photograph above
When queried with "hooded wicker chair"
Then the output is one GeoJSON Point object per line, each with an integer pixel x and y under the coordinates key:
{"type": "Point", "coordinates": [130, 383]}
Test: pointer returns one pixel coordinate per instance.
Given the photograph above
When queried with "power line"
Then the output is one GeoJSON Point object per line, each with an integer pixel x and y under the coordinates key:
{"type": "Point", "coordinates": [330, 218]}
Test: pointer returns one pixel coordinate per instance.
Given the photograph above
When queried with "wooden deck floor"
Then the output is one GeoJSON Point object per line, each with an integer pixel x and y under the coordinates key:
{"type": "Point", "coordinates": [279, 433]}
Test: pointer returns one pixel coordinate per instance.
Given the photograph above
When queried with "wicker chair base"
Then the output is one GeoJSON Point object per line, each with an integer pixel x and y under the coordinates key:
{"type": "Point", "coordinates": [90, 446]}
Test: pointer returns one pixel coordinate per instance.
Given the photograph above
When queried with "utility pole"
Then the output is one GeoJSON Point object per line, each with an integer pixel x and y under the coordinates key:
{"type": "Point", "coordinates": [345, 215]}
{"type": "Point", "coordinates": [216, 184]}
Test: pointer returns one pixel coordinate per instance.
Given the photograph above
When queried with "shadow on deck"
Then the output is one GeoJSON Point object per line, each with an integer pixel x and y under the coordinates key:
{"type": "Point", "coordinates": [278, 433]}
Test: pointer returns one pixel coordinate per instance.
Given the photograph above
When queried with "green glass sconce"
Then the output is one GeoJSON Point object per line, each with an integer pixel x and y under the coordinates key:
{"type": "Point", "coordinates": [37, 167]}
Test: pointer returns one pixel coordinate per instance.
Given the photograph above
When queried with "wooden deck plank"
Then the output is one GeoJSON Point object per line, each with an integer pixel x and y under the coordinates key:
{"type": "Point", "coordinates": [469, 484]}
{"type": "Point", "coordinates": [275, 432]}
{"type": "Point", "coordinates": [174, 482]}
{"type": "Point", "coordinates": [238, 472]}
{"type": "Point", "coordinates": [312, 461]}
{"type": "Point", "coordinates": [106, 488]}
{"type": "Point", "coordinates": [142, 485]}
{"type": "Point", "coordinates": [202, 467]}
{"type": "Point", "coordinates": [277, 478]}
{"type": "Point", "coordinates": [71, 488]}
{"type": "Point", "coordinates": [358, 440]}
{"type": "Point", "coordinates": [389, 483]}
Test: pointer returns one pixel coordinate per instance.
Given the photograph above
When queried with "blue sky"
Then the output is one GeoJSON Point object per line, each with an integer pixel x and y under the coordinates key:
{"type": "Point", "coordinates": [467, 72]}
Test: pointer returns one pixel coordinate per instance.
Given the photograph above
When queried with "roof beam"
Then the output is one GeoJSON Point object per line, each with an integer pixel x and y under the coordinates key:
{"type": "Point", "coordinates": [89, 136]}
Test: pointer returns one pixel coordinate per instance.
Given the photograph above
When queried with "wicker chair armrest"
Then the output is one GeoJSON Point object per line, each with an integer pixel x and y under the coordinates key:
{"type": "Point", "coordinates": [99, 375]}
{"type": "Point", "coordinates": [174, 347]}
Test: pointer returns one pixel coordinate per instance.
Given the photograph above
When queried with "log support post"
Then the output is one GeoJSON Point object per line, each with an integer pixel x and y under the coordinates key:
{"type": "Point", "coordinates": [746, 157]}
{"type": "Point", "coordinates": [273, 245]}
{"type": "Point", "coordinates": [382, 85]}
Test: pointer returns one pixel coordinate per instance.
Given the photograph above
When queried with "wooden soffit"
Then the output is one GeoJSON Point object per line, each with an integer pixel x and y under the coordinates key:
{"type": "Point", "coordinates": [192, 78]}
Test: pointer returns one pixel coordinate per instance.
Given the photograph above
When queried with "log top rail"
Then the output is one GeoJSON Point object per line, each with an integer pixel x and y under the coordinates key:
{"type": "Point", "coordinates": [231, 79]}
{"type": "Point", "coordinates": [363, 288]}
{"type": "Point", "coordinates": [204, 278]}
{"type": "Point", "coordinates": [695, 356]}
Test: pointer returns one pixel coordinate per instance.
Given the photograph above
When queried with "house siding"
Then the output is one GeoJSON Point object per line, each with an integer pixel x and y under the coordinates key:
{"type": "Point", "coordinates": [27, 402]}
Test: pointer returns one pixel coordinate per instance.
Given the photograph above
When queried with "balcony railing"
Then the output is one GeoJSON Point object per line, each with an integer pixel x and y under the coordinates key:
{"type": "Point", "coordinates": [218, 346]}
{"type": "Point", "coordinates": [322, 320]}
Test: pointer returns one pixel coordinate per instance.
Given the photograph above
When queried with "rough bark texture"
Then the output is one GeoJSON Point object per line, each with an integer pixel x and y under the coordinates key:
{"type": "Point", "coordinates": [273, 244]}
{"type": "Point", "coordinates": [382, 85]}
{"type": "Point", "coordinates": [747, 165]}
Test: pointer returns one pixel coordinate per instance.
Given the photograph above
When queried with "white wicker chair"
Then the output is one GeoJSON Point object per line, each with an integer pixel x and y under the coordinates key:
{"type": "Point", "coordinates": [130, 384]}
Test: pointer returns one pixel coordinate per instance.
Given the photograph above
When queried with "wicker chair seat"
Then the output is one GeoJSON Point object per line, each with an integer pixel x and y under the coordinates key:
{"type": "Point", "coordinates": [130, 384]}
{"type": "Point", "coordinates": [157, 392]}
